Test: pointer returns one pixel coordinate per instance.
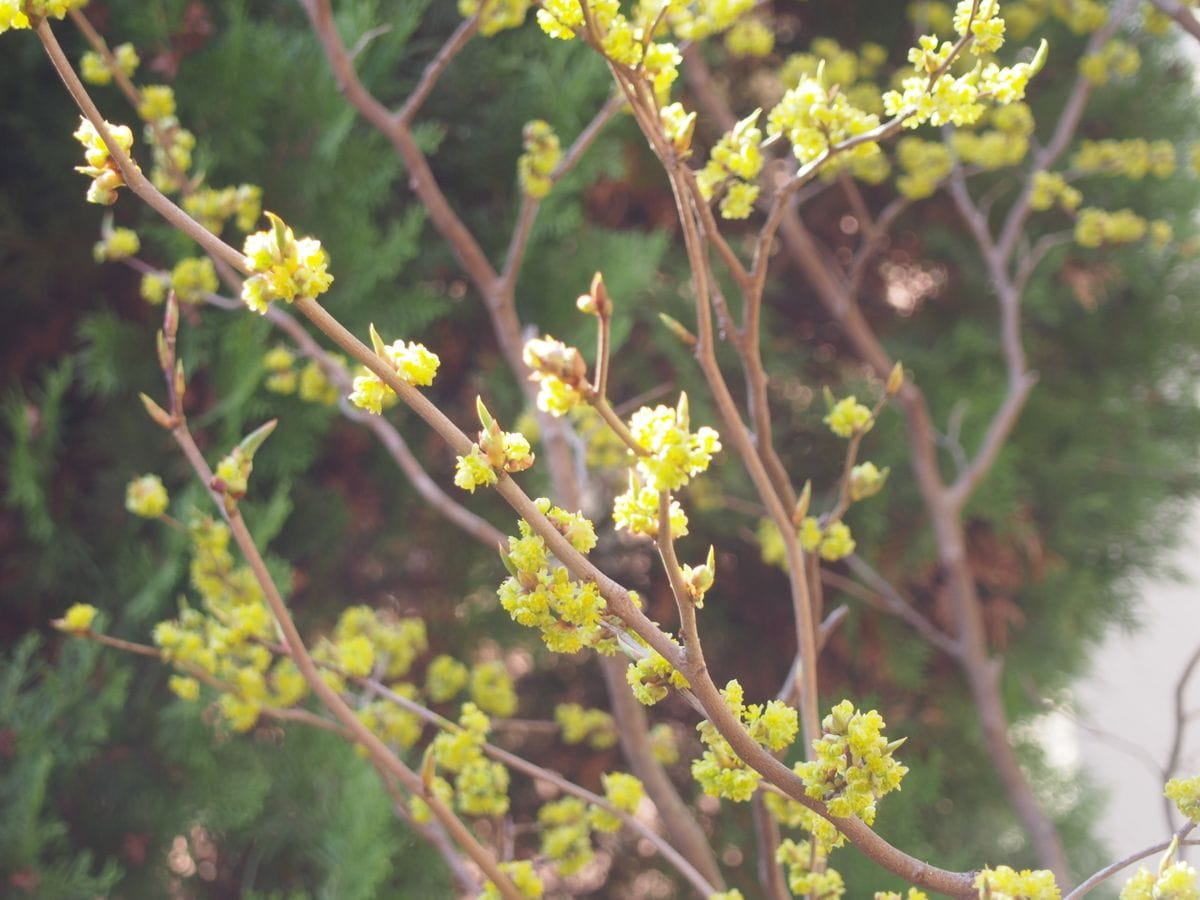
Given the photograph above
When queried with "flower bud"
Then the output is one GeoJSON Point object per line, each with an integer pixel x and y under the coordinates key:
{"type": "Point", "coordinates": [551, 357]}
{"type": "Point", "coordinates": [866, 480]}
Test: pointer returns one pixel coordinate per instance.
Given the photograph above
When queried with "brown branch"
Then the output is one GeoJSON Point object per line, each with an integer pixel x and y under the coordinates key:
{"type": "Point", "coordinates": [1108, 871]}
{"type": "Point", "coordinates": [1181, 14]}
{"type": "Point", "coordinates": [433, 71]}
{"type": "Point", "coordinates": [881, 595]}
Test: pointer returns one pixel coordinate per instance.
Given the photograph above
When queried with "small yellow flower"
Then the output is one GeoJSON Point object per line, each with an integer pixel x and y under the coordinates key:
{"type": "Point", "coordinates": [849, 417]}
{"type": "Point", "coordinates": [146, 497]}
{"type": "Point", "coordinates": [158, 102]}
{"type": "Point", "coordinates": [184, 688]}
{"type": "Point", "coordinates": [78, 618]}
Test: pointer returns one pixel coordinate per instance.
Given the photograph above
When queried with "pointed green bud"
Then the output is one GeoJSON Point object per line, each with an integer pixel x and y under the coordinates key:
{"type": "Point", "coordinates": [164, 351]}
{"type": "Point", "coordinates": [280, 231]}
{"type": "Point", "coordinates": [1039, 58]}
{"type": "Point", "coordinates": [682, 413]}
{"type": "Point", "coordinates": [507, 560]}
{"type": "Point", "coordinates": [377, 343]}
{"type": "Point", "coordinates": [251, 442]}
{"type": "Point", "coordinates": [895, 380]}
{"type": "Point", "coordinates": [676, 328]}
{"type": "Point", "coordinates": [171, 315]}
{"type": "Point", "coordinates": [485, 417]}
{"type": "Point", "coordinates": [599, 295]}
{"type": "Point", "coordinates": [802, 503]}
{"type": "Point", "coordinates": [157, 413]}
{"type": "Point", "coordinates": [894, 746]}
{"type": "Point", "coordinates": [180, 383]}
{"type": "Point", "coordinates": [830, 400]}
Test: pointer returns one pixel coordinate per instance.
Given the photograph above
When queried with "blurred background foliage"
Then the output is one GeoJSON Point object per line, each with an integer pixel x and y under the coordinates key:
{"type": "Point", "coordinates": [108, 785]}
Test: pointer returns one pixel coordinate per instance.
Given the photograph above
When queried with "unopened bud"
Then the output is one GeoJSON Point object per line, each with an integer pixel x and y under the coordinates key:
{"type": "Point", "coordinates": [157, 413]}
{"type": "Point", "coordinates": [377, 343]}
{"type": "Point", "coordinates": [895, 380]}
{"type": "Point", "coordinates": [866, 480]}
{"type": "Point", "coordinates": [551, 357]}
{"type": "Point", "coordinates": [802, 504]}
{"type": "Point", "coordinates": [676, 328]}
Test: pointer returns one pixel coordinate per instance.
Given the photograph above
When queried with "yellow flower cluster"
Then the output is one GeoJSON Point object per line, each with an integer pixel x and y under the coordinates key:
{"type": "Point", "coordinates": [1081, 16]}
{"type": "Point", "coordinates": [213, 208]}
{"type": "Point", "coordinates": [394, 643]}
{"type": "Point", "coordinates": [750, 37]}
{"type": "Point", "coordinates": [913, 894]}
{"type": "Point", "coordinates": [696, 20]}
{"type": "Point", "coordinates": [496, 449]}
{"type": "Point", "coordinates": [284, 268]}
{"type": "Point", "coordinates": [146, 497]}
{"type": "Point", "coordinates": [983, 23]}
{"type": "Point", "coordinates": [720, 771]}
{"type": "Point", "coordinates": [171, 147]}
{"type": "Point", "coordinates": [579, 725]}
{"type": "Point", "coordinates": [390, 723]}
{"type": "Point", "coordinates": [1004, 883]}
{"type": "Point", "coordinates": [833, 542]}
{"type": "Point", "coordinates": [226, 641]}
{"type": "Point", "coordinates": [624, 42]}
{"type": "Point", "coordinates": [412, 362]}
{"type": "Point", "coordinates": [310, 383]}
{"type": "Point", "coordinates": [94, 69]}
{"type": "Point", "coordinates": [542, 154]}
{"type": "Point", "coordinates": [1116, 59]}
{"type": "Point", "coordinates": [539, 593]}
{"type": "Point", "coordinates": [623, 791]}
{"type": "Point", "coordinates": [854, 767]}
{"type": "Point", "coordinates": [157, 104]}
{"type": "Point", "coordinates": [16, 13]}
{"type": "Point", "coordinates": [153, 287]}
{"type": "Point", "coordinates": [101, 167]}
{"type": "Point", "coordinates": [923, 165]}
{"type": "Point", "coordinates": [495, 15]}
{"type": "Point", "coordinates": [492, 689]}
{"type": "Point", "coordinates": [118, 243]}
{"type": "Point", "coordinates": [948, 99]}
{"type": "Point", "coordinates": [651, 676]}
{"type": "Point", "coordinates": [1134, 158]}
{"type": "Point", "coordinates": [560, 372]}
{"type": "Point", "coordinates": [1001, 146]}
{"type": "Point", "coordinates": [1049, 189]}
{"type": "Point", "coordinates": [636, 510]}
{"type": "Point", "coordinates": [77, 619]}
{"type": "Point", "coordinates": [791, 814]}
{"type": "Point", "coordinates": [814, 120]}
{"type": "Point", "coordinates": [445, 677]}
{"type": "Point", "coordinates": [1185, 794]}
{"type": "Point", "coordinates": [480, 785]}
{"type": "Point", "coordinates": [1177, 881]}
{"type": "Point", "coordinates": [808, 874]}
{"type": "Point", "coordinates": [523, 877]}
{"type": "Point", "coordinates": [734, 164]}
{"type": "Point", "coordinates": [839, 65]}
{"type": "Point", "coordinates": [848, 417]}
{"type": "Point", "coordinates": [673, 453]}
{"type": "Point", "coordinates": [193, 279]}
{"type": "Point", "coordinates": [566, 834]}
{"type": "Point", "coordinates": [1096, 227]}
